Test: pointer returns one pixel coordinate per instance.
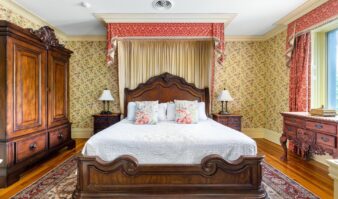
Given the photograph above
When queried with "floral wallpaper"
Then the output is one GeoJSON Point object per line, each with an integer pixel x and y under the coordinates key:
{"type": "Point", "coordinates": [277, 82]}
{"type": "Point", "coordinates": [89, 75]}
{"type": "Point", "coordinates": [254, 72]}
{"type": "Point", "coordinates": [243, 75]}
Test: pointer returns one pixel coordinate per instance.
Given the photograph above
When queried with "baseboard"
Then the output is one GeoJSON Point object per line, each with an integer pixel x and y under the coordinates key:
{"type": "Point", "coordinates": [82, 132]}
{"type": "Point", "coordinates": [254, 132]}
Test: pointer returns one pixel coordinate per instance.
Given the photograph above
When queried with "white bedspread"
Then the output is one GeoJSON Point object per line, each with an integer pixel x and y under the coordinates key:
{"type": "Point", "coordinates": [169, 143]}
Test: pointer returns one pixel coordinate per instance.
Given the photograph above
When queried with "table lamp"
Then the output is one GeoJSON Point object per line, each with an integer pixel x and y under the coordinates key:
{"type": "Point", "coordinates": [106, 97]}
{"type": "Point", "coordinates": [224, 96]}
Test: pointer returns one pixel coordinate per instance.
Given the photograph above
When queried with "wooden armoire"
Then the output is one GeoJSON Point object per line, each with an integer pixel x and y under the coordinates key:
{"type": "Point", "coordinates": [33, 98]}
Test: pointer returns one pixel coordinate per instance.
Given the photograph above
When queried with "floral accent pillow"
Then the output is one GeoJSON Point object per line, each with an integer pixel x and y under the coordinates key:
{"type": "Point", "coordinates": [146, 112]}
{"type": "Point", "coordinates": [186, 112]}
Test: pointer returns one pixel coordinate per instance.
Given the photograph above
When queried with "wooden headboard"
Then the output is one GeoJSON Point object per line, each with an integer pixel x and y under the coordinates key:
{"type": "Point", "coordinates": [165, 88]}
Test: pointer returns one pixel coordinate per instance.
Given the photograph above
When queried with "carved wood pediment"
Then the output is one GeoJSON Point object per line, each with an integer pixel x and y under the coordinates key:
{"type": "Point", "coordinates": [47, 36]}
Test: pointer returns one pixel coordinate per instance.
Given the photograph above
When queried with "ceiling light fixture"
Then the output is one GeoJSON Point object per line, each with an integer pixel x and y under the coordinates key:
{"type": "Point", "coordinates": [162, 4]}
{"type": "Point", "coordinates": [85, 4]}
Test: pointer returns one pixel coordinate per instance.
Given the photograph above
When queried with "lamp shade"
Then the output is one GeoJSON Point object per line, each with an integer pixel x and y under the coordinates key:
{"type": "Point", "coordinates": [224, 96]}
{"type": "Point", "coordinates": [106, 96]}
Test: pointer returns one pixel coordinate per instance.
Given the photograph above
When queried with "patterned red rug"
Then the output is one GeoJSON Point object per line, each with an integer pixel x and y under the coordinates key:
{"type": "Point", "coordinates": [61, 181]}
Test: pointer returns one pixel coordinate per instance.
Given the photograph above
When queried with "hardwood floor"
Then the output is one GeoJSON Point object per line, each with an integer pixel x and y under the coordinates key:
{"type": "Point", "coordinates": [312, 175]}
{"type": "Point", "coordinates": [39, 170]}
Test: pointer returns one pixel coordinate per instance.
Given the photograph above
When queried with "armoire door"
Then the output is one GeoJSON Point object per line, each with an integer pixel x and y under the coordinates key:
{"type": "Point", "coordinates": [57, 88]}
{"type": "Point", "coordinates": [26, 88]}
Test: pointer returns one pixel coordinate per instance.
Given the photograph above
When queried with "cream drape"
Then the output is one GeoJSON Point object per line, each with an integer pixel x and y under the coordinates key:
{"type": "Point", "coordinates": [138, 60]}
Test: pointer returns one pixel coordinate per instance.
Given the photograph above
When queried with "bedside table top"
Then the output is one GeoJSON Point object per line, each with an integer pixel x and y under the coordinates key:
{"type": "Point", "coordinates": [107, 115]}
{"type": "Point", "coordinates": [227, 115]}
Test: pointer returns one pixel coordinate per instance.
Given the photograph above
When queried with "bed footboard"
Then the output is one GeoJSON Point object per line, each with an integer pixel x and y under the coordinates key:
{"type": "Point", "coordinates": [214, 177]}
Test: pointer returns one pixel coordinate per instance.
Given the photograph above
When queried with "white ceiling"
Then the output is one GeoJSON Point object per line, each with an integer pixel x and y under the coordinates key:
{"type": "Point", "coordinates": [254, 17]}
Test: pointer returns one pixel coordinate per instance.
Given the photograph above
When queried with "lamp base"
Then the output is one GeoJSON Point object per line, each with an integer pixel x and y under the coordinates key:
{"type": "Point", "coordinates": [224, 113]}
{"type": "Point", "coordinates": [106, 113]}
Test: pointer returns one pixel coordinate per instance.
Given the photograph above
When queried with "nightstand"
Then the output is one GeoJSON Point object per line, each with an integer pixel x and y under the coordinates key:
{"type": "Point", "coordinates": [232, 121]}
{"type": "Point", "coordinates": [104, 121]}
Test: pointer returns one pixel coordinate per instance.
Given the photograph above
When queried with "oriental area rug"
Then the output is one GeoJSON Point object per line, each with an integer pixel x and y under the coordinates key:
{"type": "Point", "coordinates": [60, 183]}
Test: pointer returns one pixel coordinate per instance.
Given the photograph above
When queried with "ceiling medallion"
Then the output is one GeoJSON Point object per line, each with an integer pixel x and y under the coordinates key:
{"type": "Point", "coordinates": [162, 4]}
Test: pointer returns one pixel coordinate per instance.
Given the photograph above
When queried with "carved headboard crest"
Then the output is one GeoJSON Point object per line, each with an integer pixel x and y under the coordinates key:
{"type": "Point", "coordinates": [165, 88]}
{"type": "Point", "coordinates": [47, 36]}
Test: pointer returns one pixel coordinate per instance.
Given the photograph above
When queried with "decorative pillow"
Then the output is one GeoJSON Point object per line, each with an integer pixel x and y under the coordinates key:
{"type": "Point", "coordinates": [186, 112]}
{"type": "Point", "coordinates": [162, 111]}
{"type": "Point", "coordinates": [146, 112]}
{"type": "Point", "coordinates": [201, 111]}
{"type": "Point", "coordinates": [171, 111]}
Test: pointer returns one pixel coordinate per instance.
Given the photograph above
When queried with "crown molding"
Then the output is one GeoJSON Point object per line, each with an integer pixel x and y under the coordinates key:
{"type": "Point", "coordinates": [17, 8]}
{"type": "Point", "coordinates": [87, 38]}
{"type": "Point", "coordinates": [225, 18]}
{"type": "Point", "coordinates": [300, 11]}
{"type": "Point", "coordinates": [166, 17]}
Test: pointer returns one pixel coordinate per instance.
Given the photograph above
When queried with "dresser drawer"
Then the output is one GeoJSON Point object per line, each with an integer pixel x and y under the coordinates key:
{"type": "Point", "coordinates": [58, 136]}
{"type": "Point", "coordinates": [223, 120]}
{"type": "Point", "coordinates": [235, 126]}
{"type": "Point", "coordinates": [234, 120]}
{"type": "Point", "coordinates": [28, 147]}
{"type": "Point", "coordinates": [325, 128]}
{"type": "Point", "coordinates": [290, 131]}
{"type": "Point", "coordinates": [326, 140]}
{"type": "Point", "coordinates": [294, 121]}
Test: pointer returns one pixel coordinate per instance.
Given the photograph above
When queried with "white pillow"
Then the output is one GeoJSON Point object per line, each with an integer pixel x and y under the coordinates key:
{"type": "Point", "coordinates": [131, 111]}
{"type": "Point", "coordinates": [162, 111]}
{"type": "Point", "coordinates": [201, 111]}
{"type": "Point", "coordinates": [171, 111]}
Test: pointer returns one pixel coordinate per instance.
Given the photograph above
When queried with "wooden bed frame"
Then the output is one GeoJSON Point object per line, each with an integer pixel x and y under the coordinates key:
{"type": "Point", "coordinates": [213, 178]}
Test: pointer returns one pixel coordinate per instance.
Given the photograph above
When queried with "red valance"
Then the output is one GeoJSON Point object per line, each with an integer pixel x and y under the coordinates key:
{"type": "Point", "coordinates": [318, 16]}
{"type": "Point", "coordinates": [184, 30]}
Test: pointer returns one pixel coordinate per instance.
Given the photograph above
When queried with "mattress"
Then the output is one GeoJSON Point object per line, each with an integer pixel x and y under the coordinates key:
{"type": "Point", "coordinates": [169, 143]}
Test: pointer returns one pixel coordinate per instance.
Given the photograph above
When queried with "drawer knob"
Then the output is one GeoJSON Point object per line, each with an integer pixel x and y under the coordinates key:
{"type": "Point", "coordinates": [319, 126]}
{"type": "Point", "coordinates": [60, 136]}
{"type": "Point", "coordinates": [33, 146]}
{"type": "Point", "coordinates": [325, 139]}
{"type": "Point", "coordinates": [289, 128]}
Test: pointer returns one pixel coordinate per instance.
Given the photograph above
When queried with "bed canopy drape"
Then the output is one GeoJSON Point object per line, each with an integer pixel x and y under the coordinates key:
{"type": "Point", "coordinates": [122, 36]}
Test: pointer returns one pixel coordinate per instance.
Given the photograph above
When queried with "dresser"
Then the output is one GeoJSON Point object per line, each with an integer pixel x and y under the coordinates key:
{"type": "Point", "coordinates": [102, 121]}
{"type": "Point", "coordinates": [309, 134]}
{"type": "Point", "coordinates": [33, 98]}
{"type": "Point", "coordinates": [230, 120]}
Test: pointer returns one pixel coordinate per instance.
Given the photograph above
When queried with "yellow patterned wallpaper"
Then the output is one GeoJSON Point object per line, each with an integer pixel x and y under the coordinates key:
{"type": "Point", "coordinates": [254, 72]}
{"type": "Point", "coordinates": [244, 75]}
{"type": "Point", "coordinates": [89, 75]}
{"type": "Point", "coordinates": [277, 81]}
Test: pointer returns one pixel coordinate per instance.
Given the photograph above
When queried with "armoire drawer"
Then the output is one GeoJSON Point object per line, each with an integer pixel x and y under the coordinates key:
{"type": "Point", "coordinates": [30, 146]}
{"type": "Point", "coordinates": [58, 136]}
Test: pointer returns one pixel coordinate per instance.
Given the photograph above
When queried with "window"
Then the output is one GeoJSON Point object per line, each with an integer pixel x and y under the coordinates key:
{"type": "Point", "coordinates": [324, 71]}
{"type": "Point", "coordinates": [332, 64]}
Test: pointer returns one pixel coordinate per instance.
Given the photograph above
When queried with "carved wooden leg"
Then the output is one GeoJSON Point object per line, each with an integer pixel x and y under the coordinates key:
{"type": "Point", "coordinates": [283, 139]}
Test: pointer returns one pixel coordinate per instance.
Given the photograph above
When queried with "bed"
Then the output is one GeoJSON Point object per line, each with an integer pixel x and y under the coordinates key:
{"type": "Point", "coordinates": [169, 160]}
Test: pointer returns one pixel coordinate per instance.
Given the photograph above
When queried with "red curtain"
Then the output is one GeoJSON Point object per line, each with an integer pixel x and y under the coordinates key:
{"type": "Point", "coordinates": [300, 84]}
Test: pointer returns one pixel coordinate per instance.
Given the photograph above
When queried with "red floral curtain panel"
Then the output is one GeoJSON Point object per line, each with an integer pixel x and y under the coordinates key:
{"type": "Point", "coordinates": [300, 69]}
{"type": "Point", "coordinates": [298, 51]}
